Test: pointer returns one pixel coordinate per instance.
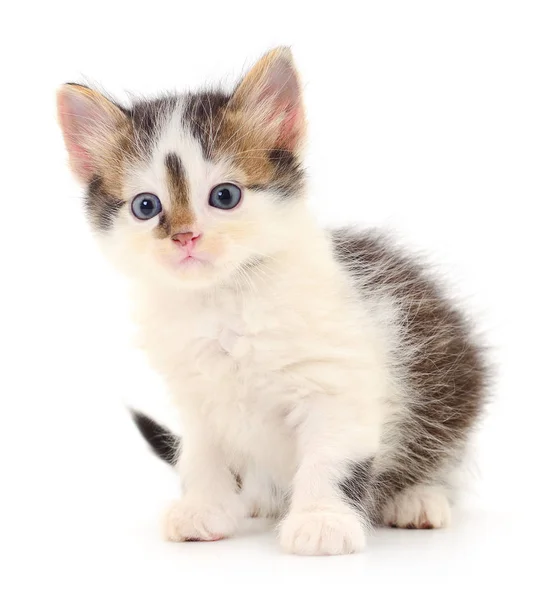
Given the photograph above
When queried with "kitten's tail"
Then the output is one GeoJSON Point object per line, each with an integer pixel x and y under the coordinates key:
{"type": "Point", "coordinates": [164, 443]}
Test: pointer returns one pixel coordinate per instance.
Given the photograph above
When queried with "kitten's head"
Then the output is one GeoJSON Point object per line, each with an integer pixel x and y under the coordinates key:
{"type": "Point", "coordinates": [197, 187]}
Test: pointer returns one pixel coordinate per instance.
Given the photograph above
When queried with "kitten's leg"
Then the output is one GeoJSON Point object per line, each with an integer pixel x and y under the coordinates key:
{"type": "Point", "coordinates": [418, 507]}
{"type": "Point", "coordinates": [333, 446]}
{"type": "Point", "coordinates": [210, 508]}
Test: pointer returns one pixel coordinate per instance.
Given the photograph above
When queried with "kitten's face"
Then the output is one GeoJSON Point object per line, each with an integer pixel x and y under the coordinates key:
{"type": "Point", "coordinates": [193, 188]}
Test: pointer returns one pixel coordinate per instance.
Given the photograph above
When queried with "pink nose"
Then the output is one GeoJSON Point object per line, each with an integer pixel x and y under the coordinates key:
{"type": "Point", "coordinates": [187, 238]}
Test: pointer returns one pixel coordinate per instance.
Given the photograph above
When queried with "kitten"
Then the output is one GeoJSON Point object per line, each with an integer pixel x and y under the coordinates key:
{"type": "Point", "coordinates": [322, 377]}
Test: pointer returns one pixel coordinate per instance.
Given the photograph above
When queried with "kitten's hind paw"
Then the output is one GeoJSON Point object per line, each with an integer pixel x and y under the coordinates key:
{"type": "Point", "coordinates": [418, 507]}
{"type": "Point", "coordinates": [319, 532]}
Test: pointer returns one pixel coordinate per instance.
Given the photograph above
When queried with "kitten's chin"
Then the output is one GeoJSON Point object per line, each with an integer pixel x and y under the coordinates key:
{"type": "Point", "coordinates": [191, 273]}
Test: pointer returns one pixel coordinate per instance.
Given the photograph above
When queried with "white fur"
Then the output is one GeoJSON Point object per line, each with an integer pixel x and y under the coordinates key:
{"type": "Point", "coordinates": [192, 519]}
{"type": "Point", "coordinates": [322, 531]}
{"type": "Point", "coordinates": [281, 372]}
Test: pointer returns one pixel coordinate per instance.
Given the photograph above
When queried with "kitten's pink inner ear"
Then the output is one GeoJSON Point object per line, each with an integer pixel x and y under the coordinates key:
{"type": "Point", "coordinates": [271, 93]}
{"type": "Point", "coordinates": [86, 119]}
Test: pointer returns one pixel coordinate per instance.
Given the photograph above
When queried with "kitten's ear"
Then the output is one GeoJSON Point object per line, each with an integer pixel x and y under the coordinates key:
{"type": "Point", "coordinates": [89, 122]}
{"type": "Point", "coordinates": [270, 96]}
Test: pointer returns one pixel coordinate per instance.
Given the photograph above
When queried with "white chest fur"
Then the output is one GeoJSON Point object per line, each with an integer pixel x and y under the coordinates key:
{"type": "Point", "coordinates": [246, 366]}
{"type": "Point", "coordinates": [224, 364]}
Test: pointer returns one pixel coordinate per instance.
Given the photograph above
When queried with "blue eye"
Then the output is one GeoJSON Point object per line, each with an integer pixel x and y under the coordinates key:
{"type": "Point", "coordinates": [225, 196]}
{"type": "Point", "coordinates": [145, 206]}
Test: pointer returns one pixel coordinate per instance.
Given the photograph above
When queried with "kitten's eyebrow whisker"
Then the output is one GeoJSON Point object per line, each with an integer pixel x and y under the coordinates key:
{"type": "Point", "coordinates": [211, 121]}
{"type": "Point", "coordinates": [206, 113]}
{"type": "Point", "coordinates": [260, 151]}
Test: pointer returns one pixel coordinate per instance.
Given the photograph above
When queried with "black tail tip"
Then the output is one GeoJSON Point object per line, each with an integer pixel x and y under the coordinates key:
{"type": "Point", "coordinates": [164, 443]}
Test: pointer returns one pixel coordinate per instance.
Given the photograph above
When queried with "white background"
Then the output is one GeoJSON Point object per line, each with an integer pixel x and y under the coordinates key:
{"type": "Point", "coordinates": [421, 119]}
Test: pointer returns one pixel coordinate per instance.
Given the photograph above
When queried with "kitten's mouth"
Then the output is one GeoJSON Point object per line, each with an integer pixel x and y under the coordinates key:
{"type": "Point", "coordinates": [187, 261]}
{"type": "Point", "coordinates": [192, 260]}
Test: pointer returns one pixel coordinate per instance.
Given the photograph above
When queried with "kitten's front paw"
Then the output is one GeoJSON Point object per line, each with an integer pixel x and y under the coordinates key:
{"type": "Point", "coordinates": [187, 521]}
{"type": "Point", "coordinates": [322, 532]}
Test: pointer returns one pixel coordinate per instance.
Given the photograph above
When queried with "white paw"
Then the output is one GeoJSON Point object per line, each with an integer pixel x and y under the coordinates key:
{"type": "Point", "coordinates": [192, 521]}
{"type": "Point", "coordinates": [419, 507]}
{"type": "Point", "coordinates": [322, 532]}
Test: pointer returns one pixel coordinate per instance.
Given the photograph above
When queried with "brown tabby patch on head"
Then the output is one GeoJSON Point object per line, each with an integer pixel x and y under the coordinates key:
{"type": "Point", "coordinates": [98, 135]}
{"type": "Point", "coordinates": [148, 117]}
{"type": "Point", "coordinates": [203, 114]}
{"type": "Point", "coordinates": [104, 192]}
{"type": "Point", "coordinates": [225, 133]}
{"type": "Point", "coordinates": [446, 374]}
{"type": "Point", "coordinates": [180, 217]}
{"type": "Point", "coordinates": [111, 147]}
{"type": "Point", "coordinates": [101, 206]}
{"type": "Point", "coordinates": [132, 140]}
